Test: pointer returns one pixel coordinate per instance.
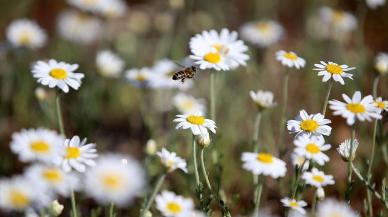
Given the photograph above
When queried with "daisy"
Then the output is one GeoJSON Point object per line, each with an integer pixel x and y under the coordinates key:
{"type": "Point", "coordinates": [219, 51]}
{"type": "Point", "coordinates": [115, 181]}
{"type": "Point", "coordinates": [290, 59]}
{"type": "Point", "coordinates": [53, 179]}
{"type": "Point", "coordinates": [355, 108]}
{"type": "Point", "coordinates": [311, 148]}
{"type": "Point", "coordinates": [330, 207]}
{"type": "Point", "coordinates": [381, 105]}
{"type": "Point", "coordinates": [299, 160]}
{"type": "Point", "coordinates": [314, 124]}
{"type": "Point", "coordinates": [296, 205]}
{"type": "Point", "coordinates": [171, 161]}
{"type": "Point", "coordinates": [78, 154]}
{"type": "Point", "coordinates": [37, 144]}
{"type": "Point", "coordinates": [263, 163]}
{"type": "Point", "coordinates": [373, 4]}
{"type": "Point", "coordinates": [381, 63]}
{"type": "Point", "coordinates": [196, 122]}
{"type": "Point", "coordinates": [187, 104]}
{"type": "Point", "coordinates": [26, 33]}
{"type": "Point", "coordinates": [339, 21]}
{"type": "Point", "coordinates": [172, 205]}
{"type": "Point", "coordinates": [57, 74]}
{"type": "Point", "coordinates": [344, 149]}
{"type": "Point", "coordinates": [334, 71]}
{"type": "Point", "coordinates": [141, 78]}
{"type": "Point", "coordinates": [263, 99]}
{"type": "Point", "coordinates": [109, 64]}
{"type": "Point", "coordinates": [262, 33]}
{"type": "Point", "coordinates": [317, 178]}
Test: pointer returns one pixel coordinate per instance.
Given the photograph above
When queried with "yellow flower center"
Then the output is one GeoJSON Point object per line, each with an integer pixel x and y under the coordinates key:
{"type": "Point", "coordinates": [112, 181]}
{"type": "Point", "coordinates": [140, 77]}
{"type": "Point", "coordinates": [294, 204]}
{"type": "Point", "coordinates": [380, 105]}
{"type": "Point", "coordinates": [312, 148]}
{"type": "Point", "coordinates": [338, 16]}
{"type": "Point", "coordinates": [72, 152]}
{"type": "Point", "coordinates": [40, 146]}
{"type": "Point", "coordinates": [187, 104]}
{"type": "Point", "coordinates": [318, 178]}
{"type": "Point", "coordinates": [263, 27]}
{"type": "Point", "coordinates": [174, 207]}
{"type": "Point", "coordinates": [356, 108]}
{"type": "Point", "coordinates": [52, 175]}
{"type": "Point", "coordinates": [290, 56]}
{"type": "Point", "coordinates": [58, 73]}
{"type": "Point", "coordinates": [197, 120]}
{"type": "Point", "coordinates": [265, 158]}
{"type": "Point", "coordinates": [25, 38]}
{"type": "Point", "coordinates": [309, 125]}
{"type": "Point", "coordinates": [19, 199]}
{"type": "Point", "coordinates": [212, 57]}
{"type": "Point", "coordinates": [334, 69]}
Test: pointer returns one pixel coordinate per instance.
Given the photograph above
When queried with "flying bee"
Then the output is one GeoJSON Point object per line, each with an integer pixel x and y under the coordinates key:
{"type": "Point", "coordinates": [187, 72]}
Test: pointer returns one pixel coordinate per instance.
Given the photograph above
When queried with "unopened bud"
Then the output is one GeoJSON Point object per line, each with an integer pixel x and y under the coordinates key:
{"type": "Point", "coordinates": [203, 140]}
{"type": "Point", "coordinates": [148, 214]}
{"type": "Point", "coordinates": [41, 93]}
{"type": "Point", "coordinates": [345, 147]}
{"type": "Point", "coordinates": [151, 147]}
{"type": "Point", "coordinates": [320, 193]}
{"type": "Point", "coordinates": [55, 208]}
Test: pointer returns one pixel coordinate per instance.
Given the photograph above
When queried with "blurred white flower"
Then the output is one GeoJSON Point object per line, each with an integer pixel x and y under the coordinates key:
{"type": "Point", "coordinates": [263, 164]}
{"type": "Point", "coordinates": [196, 122]}
{"type": "Point", "coordinates": [37, 144]}
{"type": "Point", "coordinates": [219, 51]}
{"type": "Point", "coordinates": [331, 207]}
{"type": "Point", "coordinates": [320, 193]}
{"type": "Point", "coordinates": [141, 78]}
{"type": "Point", "coordinates": [171, 161]}
{"type": "Point", "coordinates": [290, 59]}
{"type": "Point", "coordinates": [317, 178]}
{"type": "Point", "coordinates": [172, 205]}
{"type": "Point", "coordinates": [109, 64]}
{"type": "Point", "coordinates": [373, 4]}
{"type": "Point", "coordinates": [263, 99]}
{"type": "Point", "coordinates": [112, 181]}
{"type": "Point", "coordinates": [355, 108]}
{"type": "Point", "coordinates": [381, 104]}
{"type": "Point", "coordinates": [339, 22]}
{"type": "Point", "coordinates": [296, 205]}
{"type": "Point", "coordinates": [78, 154]}
{"type": "Point", "coordinates": [311, 147]}
{"type": "Point", "coordinates": [333, 71]}
{"type": "Point", "coordinates": [40, 93]}
{"type": "Point", "coordinates": [381, 63]}
{"type": "Point", "coordinates": [344, 149]}
{"type": "Point", "coordinates": [187, 104]}
{"type": "Point", "coordinates": [57, 74]}
{"type": "Point", "coordinates": [298, 160]}
{"type": "Point", "coordinates": [262, 33]}
{"type": "Point", "coordinates": [55, 208]}
{"type": "Point", "coordinates": [314, 124]}
{"type": "Point", "coordinates": [26, 33]}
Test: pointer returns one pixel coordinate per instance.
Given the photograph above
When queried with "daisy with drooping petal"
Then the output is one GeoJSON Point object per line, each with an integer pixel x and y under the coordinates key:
{"type": "Point", "coordinates": [171, 161]}
{"type": "Point", "coordinates": [300, 160]}
{"type": "Point", "coordinates": [220, 51]}
{"type": "Point", "coordinates": [381, 63]}
{"type": "Point", "coordinates": [37, 144]}
{"type": "Point", "coordinates": [262, 99]}
{"type": "Point", "coordinates": [57, 74]}
{"type": "Point", "coordinates": [311, 147]}
{"type": "Point", "coordinates": [262, 33]}
{"type": "Point", "coordinates": [330, 207]}
{"type": "Point", "coordinates": [172, 205]}
{"type": "Point", "coordinates": [355, 108]}
{"type": "Point", "coordinates": [373, 4]}
{"type": "Point", "coordinates": [109, 64]}
{"type": "Point", "coordinates": [290, 59]}
{"type": "Point", "coordinates": [263, 164]}
{"type": "Point", "coordinates": [381, 104]}
{"type": "Point", "coordinates": [314, 124]}
{"type": "Point", "coordinates": [113, 180]}
{"type": "Point", "coordinates": [344, 149]}
{"type": "Point", "coordinates": [296, 205]}
{"type": "Point", "coordinates": [78, 154]}
{"type": "Point", "coordinates": [331, 70]}
{"type": "Point", "coordinates": [141, 78]}
{"type": "Point", "coordinates": [26, 33]}
{"type": "Point", "coordinates": [187, 104]}
{"type": "Point", "coordinates": [317, 178]}
{"type": "Point", "coordinates": [196, 122]}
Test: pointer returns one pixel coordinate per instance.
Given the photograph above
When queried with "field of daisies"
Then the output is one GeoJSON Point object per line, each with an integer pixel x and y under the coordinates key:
{"type": "Point", "coordinates": [276, 109]}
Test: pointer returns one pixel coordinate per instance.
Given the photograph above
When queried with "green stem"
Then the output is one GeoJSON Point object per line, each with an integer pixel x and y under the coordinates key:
{"type": "Point", "coordinates": [59, 115]}
{"type": "Point", "coordinates": [204, 171]}
{"type": "Point", "coordinates": [256, 132]}
{"type": "Point", "coordinates": [350, 162]}
{"type": "Point", "coordinates": [284, 109]}
{"type": "Point", "coordinates": [73, 205]}
{"type": "Point", "coordinates": [327, 96]}
{"type": "Point", "coordinates": [297, 179]}
{"type": "Point", "coordinates": [314, 203]}
{"type": "Point", "coordinates": [195, 162]}
{"type": "Point", "coordinates": [375, 85]}
{"type": "Point", "coordinates": [111, 209]}
{"type": "Point", "coordinates": [259, 189]}
{"type": "Point", "coordinates": [153, 195]}
{"type": "Point", "coordinates": [212, 96]}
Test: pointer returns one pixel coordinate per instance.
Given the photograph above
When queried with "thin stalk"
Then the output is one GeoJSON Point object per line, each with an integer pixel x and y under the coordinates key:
{"type": "Point", "coordinates": [327, 96]}
{"type": "Point", "coordinates": [297, 179]}
{"type": "Point", "coordinates": [256, 132]}
{"type": "Point", "coordinates": [59, 115]}
{"type": "Point", "coordinates": [195, 162]}
{"type": "Point", "coordinates": [111, 209]}
{"type": "Point", "coordinates": [204, 170]}
{"type": "Point", "coordinates": [350, 171]}
{"type": "Point", "coordinates": [153, 195]}
{"type": "Point", "coordinates": [375, 85]}
{"type": "Point", "coordinates": [212, 96]}
{"type": "Point", "coordinates": [259, 189]}
{"type": "Point", "coordinates": [284, 109]}
{"type": "Point", "coordinates": [73, 205]}
{"type": "Point", "coordinates": [314, 203]}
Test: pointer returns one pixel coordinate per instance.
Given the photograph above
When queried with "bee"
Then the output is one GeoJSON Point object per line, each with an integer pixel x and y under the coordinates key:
{"type": "Point", "coordinates": [187, 72]}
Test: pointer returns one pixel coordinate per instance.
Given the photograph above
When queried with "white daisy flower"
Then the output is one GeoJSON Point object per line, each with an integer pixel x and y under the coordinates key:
{"type": "Point", "coordinates": [339, 21]}
{"type": "Point", "coordinates": [373, 4]}
{"type": "Point", "coordinates": [290, 59]}
{"type": "Point", "coordinates": [262, 33]}
{"type": "Point", "coordinates": [344, 149]}
{"type": "Point", "coordinates": [109, 64]}
{"type": "Point", "coordinates": [53, 179]}
{"type": "Point", "coordinates": [317, 178]}
{"type": "Point", "coordinates": [314, 124]}
{"type": "Point", "coordinates": [299, 160]}
{"type": "Point", "coordinates": [381, 105]}
{"type": "Point", "coordinates": [355, 108]}
{"type": "Point", "coordinates": [37, 144]}
{"type": "Point", "coordinates": [78, 27]}
{"type": "Point", "coordinates": [296, 205]}
{"type": "Point", "coordinates": [172, 205]}
{"type": "Point", "coordinates": [263, 99]}
{"type": "Point", "coordinates": [171, 161]}
{"type": "Point", "coordinates": [26, 33]}
{"type": "Point", "coordinates": [381, 63]}
{"type": "Point", "coordinates": [219, 51]}
{"type": "Point", "coordinates": [311, 147]}
{"type": "Point", "coordinates": [114, 180]}
{"type": "Point", "coordinates": [57, 74]}
{"type": "Point", "coordinates": [78, 154]}
{"type": "Point", "coordinates": [263, 163]}
{"type": "Point", "coordinates": [141, 78]}
{"type": "Point", "coordinates": [187, 104]}
{"type": "Point", "coordinates": [331, 70]}
{"type": "Point", "coordinates": [196, 122]}
{"type": "Point", "coordinates": [331, 207]}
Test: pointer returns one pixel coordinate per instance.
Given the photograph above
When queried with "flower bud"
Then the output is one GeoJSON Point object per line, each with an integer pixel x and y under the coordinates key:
{"type": "Point", "coordinates": [203, 140]}
{"type": "Point", "coordinates": [151, 147]}
{"type": "Point", "coordinates": [320, 193]}
{"type": "Point", "coordinates": [55, 208]}
{"type": "Point", "coordinates": [148, 214]}
{"type": "Point", "coordinates": [40, 93]}
{"type": "Point", "coordinates": [344, 149]}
